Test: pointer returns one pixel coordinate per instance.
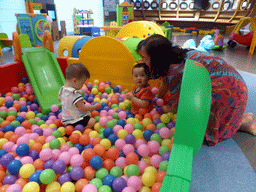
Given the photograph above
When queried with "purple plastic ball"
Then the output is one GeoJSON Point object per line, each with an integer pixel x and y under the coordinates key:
{"type": "Point", "coordinates": [52, 114]}
{"type": "Point", "coordinates": [59, 166]}
{"type": "Point", "coordinates": [6, 159]}
{"type": "Point", "coordinates": [39, 131]}
{"type": "Point", "coordinates": [104, 97]}
{"type": "Point", "coordinates": [54, 129]}
{"type": "Point", "coordinates": [9, 179]}
{"type": "Point", "coordinates": [107, 108]}
{"type": "Point", "coordinates": [33, 107]}
{"type": "Point", "coordinates": [48, 164]}
{"type": "Point", "coordinates": [130, 139]}
{"type": "Point", "coordinates": [155, 99]}
{"type": "Point", "coordinates": [157, 131]}
{"type": "Point", "coordinates": [170, 125]}
{"type": "Point", "coordinates": [119, 184]}
{"type": "Point", "coordinates": [86, 94]}
{"type": "Point", "coordinates": [120, 99]}
{"type": "Point", "coordinates": [90, 99]}
{"type": "Point", "coordinates": [108, 82]}
{"type": "Point", "coordinates": [80, 128]}
{"type": "Point", "coordinates": [166, 156]}
{"type": "Point", "coordinates": [34, 154]}
{"type": "Point", "coordinates": [65, 177]}
{"type": "Point", "coordinates": [89, 87]}
{"type": "Point", "coordinates": [118, 110]}
{"type": "Point", "coordinates": [156, 121]}
{"type": "Point", "coordinates": [77, 173]}
{"type": "Point", "coordinates": [2, 129]}
{"type": "Point", "coordinates": [160, 110]}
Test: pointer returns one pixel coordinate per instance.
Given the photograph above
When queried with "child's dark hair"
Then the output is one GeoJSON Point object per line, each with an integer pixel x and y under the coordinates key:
{"type": "Point", "coordinates": [139, 46]}
{"type": "Point", "coordinates": [77, 70]}
{"type": "Point", "coordinates": [43, 11]}
{"type": "Point", "coordinates": [145, 67]}
{"type": "Point", "coordinates": [162, 54]}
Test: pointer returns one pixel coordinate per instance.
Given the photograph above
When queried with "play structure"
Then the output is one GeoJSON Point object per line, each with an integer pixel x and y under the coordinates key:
{"type": "Point", "coordinates": [124, 13]}
{"type": "Point", "coordinates": [33, 25]}
{"type": "Point", "coordinates": [4, 42]}
{"type": "Point", "coordinates": [81, 18]}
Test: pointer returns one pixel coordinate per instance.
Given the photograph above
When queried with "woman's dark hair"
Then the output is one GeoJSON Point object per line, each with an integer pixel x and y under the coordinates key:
{"type": "Point", "coordinates": [145, 67]}
{"type": "Point", "coordinates": [162, 54]}
{"type": "Point", "coordinates": [139, 46]}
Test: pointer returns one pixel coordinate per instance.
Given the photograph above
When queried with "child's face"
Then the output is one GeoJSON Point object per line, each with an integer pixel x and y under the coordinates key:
{"type": "Point", "coordinates": [78, 83]}
{"type": "Point", "coordinates": [145, 57]}
{"type": "Point", "coordinates": [140, 77]}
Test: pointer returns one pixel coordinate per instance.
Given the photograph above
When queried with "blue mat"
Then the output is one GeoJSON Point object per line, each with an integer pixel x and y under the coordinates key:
{"type": "Point", "coordinates": [222, 167]}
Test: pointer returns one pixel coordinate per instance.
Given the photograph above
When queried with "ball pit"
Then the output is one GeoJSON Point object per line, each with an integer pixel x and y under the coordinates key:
{"type": "Point", "coordinates": [123, 152]}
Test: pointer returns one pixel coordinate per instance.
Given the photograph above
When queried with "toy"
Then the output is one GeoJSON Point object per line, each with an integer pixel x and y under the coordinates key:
{"type": "Point", "coordinates": [246, 39]}
{"type": "Point", "coordinates": [206, 44]}
{"type": "Point", "coordinates": [4, 42]}
{"type": "Point", "coordinates": [218, 40]}
{"type": "Point", "coordinates": [192, 30]}
{"type": "Point", "coordinates": [124, 13]}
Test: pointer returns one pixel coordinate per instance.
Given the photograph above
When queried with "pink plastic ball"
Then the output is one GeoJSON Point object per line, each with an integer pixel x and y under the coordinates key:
{"type": "Point", "coordinates": [33, 127]}
{"type": "Point", "coordinates": [47, 132]}
{"type": "Point", "coordinates": [103, 112]}
{"type": "Point", "coordinates": [45, 154]}
{"type": "Point", "coordinates": [23, 114]}
{"type": "Point", "coordinates": [48, 122]}
{"type": "Point", "coordinates": [73, 151]}
{"type": "Point", "coordinates": [52, 118]}
{"type": "Point", "coordinates": [23, 103]}
{"type": "Point", "coordinates": [22, 140]}
{"type": "Point", "coordinates": [120, 87]}
{"type": "Point", "coordinates": [12, 109]}
{"type": "Point", "coordinates": [125, 177]}
{"type": "Point", "coordinates": [117, 94]}
{"type": "Point", "coordinates": [8, 98]}
{"type": "Point", "coordinates": [64, 147]}
{"type": "Point", "coordinates": [155, 160]}
{"type": "Point", "coordinates": [143, 150]}
{"type": "Point", "coordinates": [123, 96]}
{"type": "Point", "coordinates": [109, 118]}
{"type": "Point", "coordinates": [84, 89]}
{"type": "Point", "coordinates": [109, 99]}
{"type": "Point", "coordinates": [117, 128]}
{"type": "Point", "coordinates": [121, 162]}
{"type": "Point", "coordinates": [105, 94]}
{"type": "Point", "coordinates": [128, 148]}
{"type": "Point", "coordinates": [122, 115]}
{"type": "Point", "coordinates": [103, 121]}
{"type": "Point", "coordinates": [153, 112]}
{"type": "Point", "coordinates": [14, 148]}
{"type": "Point", "coordinates": [59, 116]}
{"type": "Point", "coordinates": [142, 166]}
{"type": "Point", "coordinates": [89, 188]}
{"type": "Point", "coordinates": [33, 136]}
{"type": "Point", "coordinates": [139, 142]}
{"type": "Point", "coordinates": [37, 118]}
{"type": "Point", "coordinates": [49, 138]}
{"type": "Point", "coordinates": [76, 160]}
{"type": "Point", "coordinates": [159, 102]}
{"type": "Point", "coordinates": [55, 154]}
{"type": "Point", "coordinates": [65, 156]}
{"type": "Point", "coordinates": [14, 187]}
{"type": "Point", "coordinates": [26, 160]}
{"type": "Point", "coordinates": [165, 132]}
{"type": "Point", "coordinates": [3, 108]}
{"type": "Point", "coordinates": [129, 128]}
{"type": "Point", "coordinates": [15, 89]}
{"type": "Point", "coordinates": [154, 90]}
{"type": "Point", "coordinates": [120, 143]}
{"type": "Point", "coordinates": [129, 189]}
{"type": "Point", "coordinates": [111, 111]}
{"type": "Point", "coordinates": [153, 146]}
{"type": "Point", "coordinates": [134, 182]}
{"type": "Point", "coordinates": [102, 84]}
{"type": "Point", "coordinates": [29, 91]}
{"type": "Point", "coordinates": [20, 131]}
{"type": "Point", "coordinates": [8, 146]}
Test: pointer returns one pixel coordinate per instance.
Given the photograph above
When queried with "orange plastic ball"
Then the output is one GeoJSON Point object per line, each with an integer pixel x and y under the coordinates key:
{"type": "Point", "coordinates": [87, 131]}
{"type": "Point", "coordinates": [3, 188]}
{"type": "Point", "coordinates": [156, 116]}
{"type": "Point", "coordinates": [8, 135]}
{"type": "Point", "coordinates": [25, 96]}
{"type": "Point", "coordinates": [40, 139]}
{"type": "Point", "coordinates": [89, 173]}
{"type": "Point", "coordinates": [14, 138]}
{"type": "Point", "coordinates": [84, 139]}
{"type": "Point", "coordinates": [139, 117]}
{"type": "Point", "coordinates": [88, 154]}
{"type": "Point", "coordinates": [96, 140]}
{"type": "Point", "coordinates": [57, 122]}
{"type": "Point", "coordinates": [69, 129]}
{"type": "Point", "coordinates": [1, 168]}
{"type": "Point", "coordinates": [148, 115]}
{"type": "Point", "coordinates": [151, 127]}
{"type": "Point", "coordinates": [132, 158]}
{"type": "Point", "coordinates": [1, 134]}
{"type": "Point", "coordinates": [156, 187]}
{"type": "Point", "coordinates": [22, 182]}
{"type": "Point", "coordinates": [74, 138]}
{"type": "Point", "coordinates": [114, 100]}
{"type": "Point", "coordinates": [26, 124]}
{"type": "Point", "coordinates": [39, 164]}
{"type": "Point", "coordinates": [37, 147]}
{"type": "Point", "coordinates": [99, 149]}
{"type": "Point", "coordinates": [10, 118]}
{"type": "Point", "coordinates": [95, 113]}
{"type": "Point", "coordinates": [2, 175]}
{"type": "Point", "coordinates": [108, 164]}
{"type": "Point", "coordinates": [8, 94]}
{"type": "Point", "coordinates": [17, 106]}
{"type": "Point", "coordinates": [160, 176]}
{"type": "Point", "coordinates": [31, 97]}
{"type": "Point", "coordinates": [101, 89]}
{"type": "Point", "coordinates": [113, 153]}
{"type": "Point", "coordinates": [80, 184]}
{"type": "Point", "coordinates": [4, 123]}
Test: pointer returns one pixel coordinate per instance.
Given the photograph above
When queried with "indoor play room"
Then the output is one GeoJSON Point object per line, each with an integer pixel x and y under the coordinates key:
{"type": "Point", "coordinates": [150, 151]}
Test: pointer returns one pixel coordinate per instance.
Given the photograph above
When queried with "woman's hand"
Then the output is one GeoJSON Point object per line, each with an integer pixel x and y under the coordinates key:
{"type": "Point", "coordinates": [129, 96]}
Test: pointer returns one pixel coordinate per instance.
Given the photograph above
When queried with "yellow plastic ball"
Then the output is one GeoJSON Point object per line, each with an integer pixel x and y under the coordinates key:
{"type": "Point", "coordinates": [31, 187]}
{"type": "Point", "coordinates": [146, 160]}
{"type": "Point", "coordinates": [110, 94]}
{"type": "Point", "coordinates": [145, 189]}
{"type": "Point", "coordinates": [51, 126]}
{"type": "Point", "coordinates": [106, 143]}
{"type": "Point", "coordinates": [93, 134]}
{"type": "Point", "coordinates": [165, 118]}
{"type": "Point", "coordinates": [122, 134]}
{"type": "Point", "coordinates": [78, 132]}
{"type": "Point", "coordinates": [67, 187]}
{"type": "Point", "coordinates": [138, 134]}
{"type": "Point", "coordinates": [1, 100]}
{"type": "Point", "coordinates": [46, 145]}
{"type": "Point", "coordinates": [30, 115]}
{"type": "Point", "coordinates": [136, 120]}
{"type": "Point", "coordinates": [148, 179]}
{"type": "Point", "coordinates": [20, 84]}
{"type": "Point", "coordinates": [116, 108]}
{"type": "Point", "coordinates": [22, 99]}
{"type": "Point", "coordinates": [146, 122]}
{"type": "Point", "coordinates": [62, 130]}
{"type": "Point", "coordinates": [94, 91]}
{"type": "Point", "coordinates": [54, 186]}
{"type": "Point", "coordinates": [125, 169]}
{"type": "Point", "coordinates": [97, 126]}
{"type": "Point", "coordinates": [96, 81]}
{"type": "Point", "coordinates": [122, 105]}
{"type": "Point", "coordinates": [43, 126]}
{"type": "Point", "coordinates": [104, 100]}
{"type": "Point", "coordinates": [62, 141]}
{"type": "Point", "coordinates": [31, 142]}
{"type": "Point", "coordinates": [27, 170]}
{"type": "Point", "coordinates": [97, 100]}
{"type": "Point", "coordinates": [2, 142]}
{"type": "Point", "coordinates": [166, 142]}
{"type": "Point", "coordinates": [131, 121]}
{"type": "Point", "coordinates": [126, 101]}
{"type": "Point", "coordinates": [151, 170]}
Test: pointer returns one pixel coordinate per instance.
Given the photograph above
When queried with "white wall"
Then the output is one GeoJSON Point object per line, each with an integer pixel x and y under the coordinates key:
{"type": "Point", "coordinates": [65, 11]}
{"type": "Point", "coordinates": [8, 20]}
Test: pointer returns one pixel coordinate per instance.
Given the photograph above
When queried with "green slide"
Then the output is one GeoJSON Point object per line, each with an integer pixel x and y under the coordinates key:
{"type": "Point", "coordinates": [192, 119]}
{"type": "Point", "coordinates": [45, 76]}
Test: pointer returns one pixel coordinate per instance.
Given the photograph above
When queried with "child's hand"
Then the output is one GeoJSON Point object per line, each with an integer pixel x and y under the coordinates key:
{"type": "Point", "coordinates": [129, 96]}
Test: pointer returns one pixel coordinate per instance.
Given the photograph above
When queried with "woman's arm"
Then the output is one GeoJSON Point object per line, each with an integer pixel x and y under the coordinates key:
{"type": "Point", "coordinates": [164, 88]}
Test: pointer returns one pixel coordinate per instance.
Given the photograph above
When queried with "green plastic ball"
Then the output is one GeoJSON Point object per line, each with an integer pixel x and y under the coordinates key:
{"type": "Point", "coordinates": [95, 86]}
{"type": "Point", "coordinates": [97, 118]}
{"type": "Point", "coordinates": [116, 171]}
{"type": "Point", "coordinates": [101, 130]}
{"type": "Point", "coordinates": [47, 176]}
{"type": "Point", "coordinates": [100, 93]}
{"type": "Point", "coordinates": [128, 106]}
{"type": "Point", "coordinates": [163, 166]}
{"type": "Point", "coordinates": [15, 123]}
{"type": "Point", "coordinates": [123, 92]}
{"type": "Point", "coordinates": [40, 122]}
{"type": "Point", "coordinates": [32, 121]}
{"type": "Point", "coordinates": [57, 133]}
{"type": "Point", "coordinates": [108, 90]}
{"type": "Point", "coordinates": [138, 126]}
{"type": "Point", "coordinates": [163, 149]}
{"type": "Point", "coordinates": [55, 144]}
{"type": "Point", "coordinates": [96, 182]}
{"type": "Point", "coordinates": [101, 136]}
{"type": "Point", "coordinates": [82, 93]}
{"type": "Point", "coordinates": [16, 96]}
{"type": "Point", "coordinates": [156, 137]}
{"type": "Point", "coordinates": [114, 106]}
{"type": "Point", "coordinates": [70, 144]}
{"type": "Point", "coordinates": [101, 173]}
{"type": "Point", "coordinates": [115, 116]}
{"type": "Point", "coordinates": [3, 114]}
{"type": "Point", "coordinates": [132, 170]}
{"type": "Point", "coordinates": [14, 113]}
{"type": "Point", "coordinates": [39, 115]}
{"type": "Point", "coordinates": [104, 188]}
{"type": "Point", "coordinates": [160, 125]}
{"type": "Point", "coordinates": [70, 168]}
{"type": "Point", "coordinates": [111, 124]}
{"type": "Point", "coordinates": [1, 119]}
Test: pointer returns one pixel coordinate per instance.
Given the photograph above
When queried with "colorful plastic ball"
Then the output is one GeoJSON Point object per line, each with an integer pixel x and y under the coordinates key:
{"type": "Point", "coordinates": [65, 156]}
{"type": "Point", "coordinates": [27, 170]}
{"type": "Point", "coordinates": [112, 138]}
{"type": "Point", "coordinates": [166, 156]}
{"type": "Point", "coordinates": [53, 187]}
{"type": "Point", "coordinates": [154, 90]}
{"type": "Point", "coordinates": [156, 137]}
{"type": "Point", "coordinates": [143, 150]}
{"type": "Point", "coordinates": [22, 150]}
{"type": "Point", "coordinates": [14, 167]}
{"type": "Point", "coordinates": [132, 158]}
{"type": "Point", "coordinates": [163, 165]}
{"type": "Point", "coordinates": [96, 182]}
{"type": "Point", "coordinates": [159, 102]}
{"type": "Point", "coordinates": [104, 188]}
{"type": "Point", "coordinates": [138, 134]}
{"type": "Point", "coordinates": [132, 170]}
{"type": "Point", "coordinates": [106, 143]}
{"type": "Point", "coordinates": [76, 160]}
{"type": "Point", "coordinates": [148, 179]}
{"type": "Point", "coordinates": [59, 166]}
{"type": "Point", "coordinates": [9, 104]}
{"type": "Point", "coordinates": [96, 162]}
{"type": "Point", "coordinates": [121, 122]}
{"type": "Point", "coordinates": [122, 134]}
{"type": "Point", "coordinates": [31, 187]}
{"type": "Point", "coordinates": [128, 148]}
{"type": "Point", "coordinates": [121, 162]}
{"type": "Point", "coordinates": [63, 178]}
{"type": "Point", "coordinates": [130, 139]}
{"type": "Point", "coordinates": [45, 154]}
{"type": "Point", "coordinates": [90, 188]}
{"type": "Point", "coordinates": [101, 173]}
{"type": "Point", "coordinates": [108, 180]}
{"type": "Point", "coordinates": [134, 182]}
{"type": "Point", "coordinates": [14, 188]}
{"type": "Point", "coordinates": [80, 128]}
{"type": "Point", "coordinates": [6, 159]}
{"type": "Point", "coordinates": [26, 160]}
{"type": "Point", "coordinates": [108, 131]}
{"type": "Point", "coordinates": [77, 173]}
{"type": "Point", "coordinates": [9, 128]}
{"type": "Point", "coordinates": [120, 143]}
{"type": "Point", "coordinates": [116, 171]}
{"type": "Point", "coordinates": [156, 160]}
{"type": "Point", "coordinates": [47, 176]}
{"type": "Point", "coordinates": [119, 184]}
{"type": "Point", "coordinates": [35, 177]}
{"type": "Point", "coordinates": [68, 187]}
{"type": "Point", "coordinates": [153, 146]}
{"type": "Point", "coordinates": [9, 179]}
{"type": "Point", "coordinates": [8, 146]}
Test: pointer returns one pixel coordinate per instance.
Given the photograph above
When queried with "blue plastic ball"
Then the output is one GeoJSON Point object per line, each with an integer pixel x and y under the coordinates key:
{"type": "Point", "coordinates": [34, 154]}
{"type": "Point", "coordinates": [79, 147]}
{"type": "Point", "coordinates": [121, 153]}
{"type": "Point", "coordinates": [23, 109]}
{"type": "Point", "coordinates": [14, 167]}
{"type": "Point", "coordinates": [35, 100]}
{"type": "Point", "coordinates": [108, 131]}
{"type": "Point", "coordinates": [44, 117]}
{"type": "Point", "coordinates": [85, 98]}
{"type": "Point", "coordinates": [9, 128]}
{"type": "Point", "coordinates": [116, 89]}
{"type": "Point", "coordinates": [9, 104]}
{"type": "Point", "coordinates": [147, 134]}
{"type": "Point", "coordinates": [2, 152]}
{"type": "Point", "coordinates": [104, 104]}
{"type": "Point", "coordinates": [88, 146]}
{"type": "Point", "coordinates": [36, 112]}
{"type": "Point", "coordinates": [24, 80]}
{"type": "Point", "coordinates": [35, 177]}
{"type": "Point", "coordinates": [170, 103]}
{"type": "Point", "coordinates": [112, 138]}
{"type": "Point", "coordinates": [108, 180]}
{"type": "Point", "coordinates": [121, 122]}
{"type": "Point", "coordinates": [20, 119]}
{"type": "Point", "coordinates": [136, 151]}
{"type": "Point", "coordinates": [29, 102]}
{"type": "Point", "coordinates": [130, 116]}
{"type": "Point", "coordinates": [91, 95]}
{"type": "Point", "coordinates": [22, 149]}
{"type": "Point", "coordinates": [96, 162]}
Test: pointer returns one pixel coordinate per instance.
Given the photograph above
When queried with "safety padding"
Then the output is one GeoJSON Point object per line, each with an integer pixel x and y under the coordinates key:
{"type": "Point", "coordinates": [66, 45]}
{"type": "Point", "coordinates": [78, 46]}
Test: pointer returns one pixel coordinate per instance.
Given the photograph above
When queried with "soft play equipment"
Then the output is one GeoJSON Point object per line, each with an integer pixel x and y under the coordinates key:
{"type": "Point", "coordinates": [206, 44]}
{"type": "Point", "coordinates": [192, 119]}
{"type": "Point", "coordinates": [43, 70]}
{"type": "Point", "coordinates": [66, 45]}
{"type": "Point", "coordinates": [4, 42]}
